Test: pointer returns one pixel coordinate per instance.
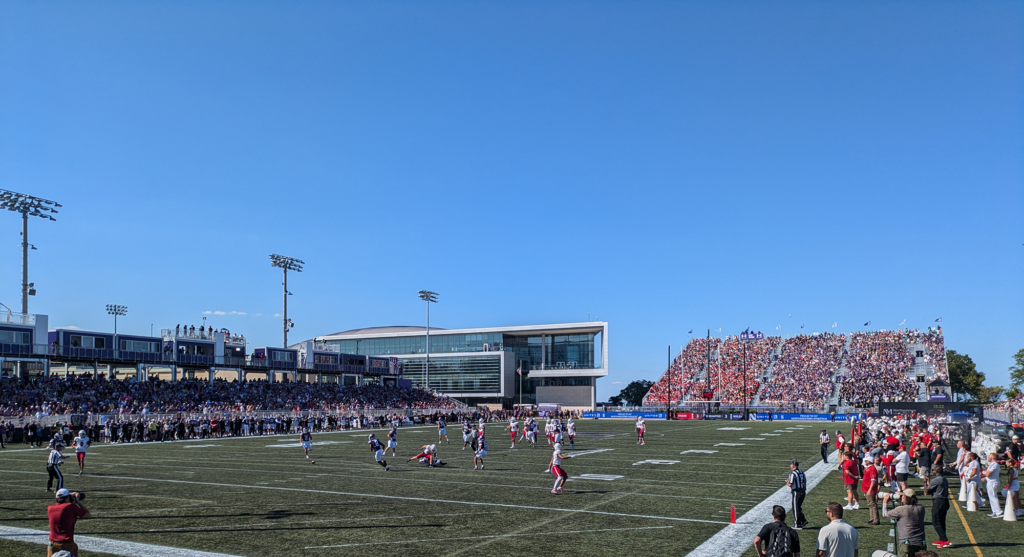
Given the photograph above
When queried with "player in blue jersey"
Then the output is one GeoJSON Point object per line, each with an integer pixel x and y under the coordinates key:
{"type": "Point", "coordinates": [378, 451]}
{"type": "Point", "coordinates": [307, 443]}
{"type": "Point", "coordinates": [481, 451]}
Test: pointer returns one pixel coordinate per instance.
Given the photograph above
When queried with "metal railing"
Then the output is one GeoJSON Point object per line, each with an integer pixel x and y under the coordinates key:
{"type": "Point", "coordinates": [27, 319]}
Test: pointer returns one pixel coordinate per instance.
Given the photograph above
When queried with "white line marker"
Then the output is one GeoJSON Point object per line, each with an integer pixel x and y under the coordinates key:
{"type": "Point", "coordinates": [655, 462]}
{"type": "Point", "coordinates": [698, 451]}
{"type": "Point", "coordinates": [497, 536]}
{"type": "Point", "coordinates": [103, 545]}
{"type": "Point", "coordinates": [732, 540]}
{"type": "Point", "coordinates": [198, 446]}
{"type": "Point", "coordinates": [772, 434]}
{"type": "Point", "coordinates": [729, 444]}
{"type": "Point", "coordinates": [395, 497]}
{"type": "Point", "coordinates": [732, 428]}
{"type": "Point", "coordinates": [594, 451]}
{"type": "Point", "coordinates": [297, 445]}
{"type": "Point", "coordinates": [751, 438]}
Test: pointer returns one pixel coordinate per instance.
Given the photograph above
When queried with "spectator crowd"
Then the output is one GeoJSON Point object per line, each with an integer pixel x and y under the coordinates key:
{"type": "Point", "coordinates": [803, 372]}
{"type": "Point", "coordinates": [86, 395]}
{"type": "Point", "coordinates": [876, 369]}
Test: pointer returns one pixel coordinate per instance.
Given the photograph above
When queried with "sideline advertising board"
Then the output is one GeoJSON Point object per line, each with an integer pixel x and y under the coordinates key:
{"type": "Point", "coordinates": [626, 415]}
{"type": "Point", "coordinates": [688, 416]}
{"type": "Point", "coordinates": [803, 417]}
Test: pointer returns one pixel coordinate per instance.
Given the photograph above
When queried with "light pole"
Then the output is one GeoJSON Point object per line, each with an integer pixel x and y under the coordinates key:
{"type": "Point", "coordinates": [116, 310]}
{"type": "Point", "coordinates": [28, 206]}
{"type": "Point", "coordinates": [428, 297]}
{"type": "Point", "coordinates": [286, 263]}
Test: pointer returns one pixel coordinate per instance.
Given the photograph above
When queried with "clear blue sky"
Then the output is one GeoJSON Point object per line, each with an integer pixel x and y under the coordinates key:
{"type": "Point", "coordinates": [664, 166]}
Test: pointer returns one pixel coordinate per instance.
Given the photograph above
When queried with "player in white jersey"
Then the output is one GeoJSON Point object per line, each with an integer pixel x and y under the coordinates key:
{"type": "Point", "coordinates": [549, 429]}
{"type": "Point", "coordinates": [555, 467]}
{"type": "Point", "coordinates": [467, 434]}
{"type": "Point", "coordinates": [571, 429]}
{"type": "Point", "coordinates": [392, 440]}
{"type": "Point", "coordinates": [307, 442]}
{"type": "Point", "coordinates": [481, 452]}
{"type": "Point", "coordinates": [81, 444]}
{"type": "Point", "coordinates": [513, 426]}
{"type": "Point", "coordinates": [641, 428]}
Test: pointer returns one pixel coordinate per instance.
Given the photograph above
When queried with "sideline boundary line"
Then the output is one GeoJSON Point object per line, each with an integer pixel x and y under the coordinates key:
{"type": "Point", "coordinates": [105, 545]}
{"type": "Point", "coordinates": [398, 497]}
{"type": "Point", "coordinates": [733, 540]}
{"type": "Point", "coordinates": [970, 535]}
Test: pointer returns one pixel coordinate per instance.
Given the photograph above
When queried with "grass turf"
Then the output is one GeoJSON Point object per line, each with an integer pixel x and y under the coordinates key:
{"type": "Point", "coordinates": [248, 497]}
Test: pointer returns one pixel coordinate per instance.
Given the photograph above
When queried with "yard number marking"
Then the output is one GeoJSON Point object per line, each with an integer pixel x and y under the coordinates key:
{"type": "Point", "coordinates": [602, 477]}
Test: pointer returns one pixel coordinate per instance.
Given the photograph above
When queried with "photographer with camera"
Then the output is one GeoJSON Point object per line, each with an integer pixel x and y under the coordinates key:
{"type": "Point", "coordinates": [63, 514]}
{"type": "Point", "coordinates": [909, 519]}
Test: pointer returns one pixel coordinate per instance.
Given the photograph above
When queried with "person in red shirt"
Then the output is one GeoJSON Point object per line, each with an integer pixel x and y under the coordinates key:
{"type": "Point", "coordinates": [850, 475]}
{"type": "Point", "coordinates": [870, 487]}
{"type": "Point", "coordinates": [63, 515]}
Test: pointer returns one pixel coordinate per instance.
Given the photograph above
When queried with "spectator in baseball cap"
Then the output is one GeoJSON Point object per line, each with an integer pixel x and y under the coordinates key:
{"type": "Point", "coordinates": [63, 515]}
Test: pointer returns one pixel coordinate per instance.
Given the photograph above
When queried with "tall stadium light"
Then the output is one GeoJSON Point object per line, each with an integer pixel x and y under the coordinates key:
{"type": "Point", "coordinates": [116, 310]}
{"type": "Point", "coordinates": [428, 297]}
{"type": "Point", "coordinates": [286, 264]}
{"type": "Point", "coordinates": [28, 206]}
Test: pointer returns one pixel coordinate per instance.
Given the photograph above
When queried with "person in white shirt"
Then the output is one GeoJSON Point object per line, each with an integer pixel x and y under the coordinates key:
{"type": "Point", "coordinates": [991, 474]}
{"type": "Point", "coordinates": [81, 444]}
{"type": "Point", "coordinates": [972, 474]}
{"type": "Point", "coordinates": [902, 463]}
{"type": "Point", "coordinates": [837, 538]}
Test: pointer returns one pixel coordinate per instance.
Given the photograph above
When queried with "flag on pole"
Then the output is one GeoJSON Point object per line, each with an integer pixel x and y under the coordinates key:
{"type": "Point", "coordinates": [939, 320]}
{"type": "Point", "coordinates": [690, 332]}
{"type": "Point", "coordinates": [868, 324]}
{"type": "Point", "coordinates": [836, 324]}
{"type": "Point", "coordinates": [801, 325]}
{"type": "Point", "coordinates": [904, 322]}
{"type": "Point", "coordinates": [778, 327]}
{"type": "Point", "coordinates": [519, 370]}
{"type": "Point", "coordinates": [719, 330]}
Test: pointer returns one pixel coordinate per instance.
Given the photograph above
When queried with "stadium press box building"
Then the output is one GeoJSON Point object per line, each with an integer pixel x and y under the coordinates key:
{"type": "Point", "coordinates": [560, 363]}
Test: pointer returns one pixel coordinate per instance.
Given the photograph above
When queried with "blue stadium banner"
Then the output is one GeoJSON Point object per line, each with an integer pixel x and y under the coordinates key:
{"type": "Point", "coordinates": [630, 415]}
{"type": "Point", "coordinates": [804, 417]}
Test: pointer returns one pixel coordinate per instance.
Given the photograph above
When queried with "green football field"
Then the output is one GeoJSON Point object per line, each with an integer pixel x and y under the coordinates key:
{"type": "Point", "coordinates": [258, 496]}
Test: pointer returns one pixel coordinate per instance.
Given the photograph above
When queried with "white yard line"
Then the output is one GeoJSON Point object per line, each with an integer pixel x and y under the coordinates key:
{"type": "Point", "coordinates": [396, 497]}
{"type": "Point", "coordinates": [487, 537]}
{"type": "Point", "coordinates": [103, 545]}
{"type": "Point", "coordinates": [734, 539]}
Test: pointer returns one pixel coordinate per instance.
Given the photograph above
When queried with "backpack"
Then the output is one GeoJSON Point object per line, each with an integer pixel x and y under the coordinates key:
{"type": "Point", "coordinates": [780, 543]}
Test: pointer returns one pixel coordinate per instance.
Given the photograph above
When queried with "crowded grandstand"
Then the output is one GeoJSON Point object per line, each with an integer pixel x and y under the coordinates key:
{"type": "Point", "coordinates": [807, 371]}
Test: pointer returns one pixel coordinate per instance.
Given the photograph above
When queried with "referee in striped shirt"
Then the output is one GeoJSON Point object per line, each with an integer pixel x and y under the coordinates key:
{"type": "Point", "coordinates": [53, 467]}
{"type": "Point", "coordinates": [797, 483]}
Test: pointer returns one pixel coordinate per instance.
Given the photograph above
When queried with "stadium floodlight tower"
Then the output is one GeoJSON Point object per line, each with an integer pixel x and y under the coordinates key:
{"type": "Point", "coordinates": [286, 264]}
{"type": "Point", "coordinates": [428, 297]}
{"type": "Point", "coordinates": [115, 310]}
{"type": "Point", "coordinates": [28, 206]}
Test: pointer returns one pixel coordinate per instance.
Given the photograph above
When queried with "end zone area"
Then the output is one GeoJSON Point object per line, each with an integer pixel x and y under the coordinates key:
{"type": "Point", "coordinates": [258, 496]}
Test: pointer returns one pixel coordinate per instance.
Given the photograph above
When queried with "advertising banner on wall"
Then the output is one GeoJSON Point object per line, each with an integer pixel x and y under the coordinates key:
{"type": "Point", "coordinates": [803, 417]}
{"type": "Point", "coordinates": [626, 415]}
{"type": "Point", "coordinates": [688, 415]}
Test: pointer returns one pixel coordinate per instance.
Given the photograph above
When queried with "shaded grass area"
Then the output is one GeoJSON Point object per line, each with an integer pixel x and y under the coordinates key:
{"type": "Point", "coordinates": [241, 497]}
